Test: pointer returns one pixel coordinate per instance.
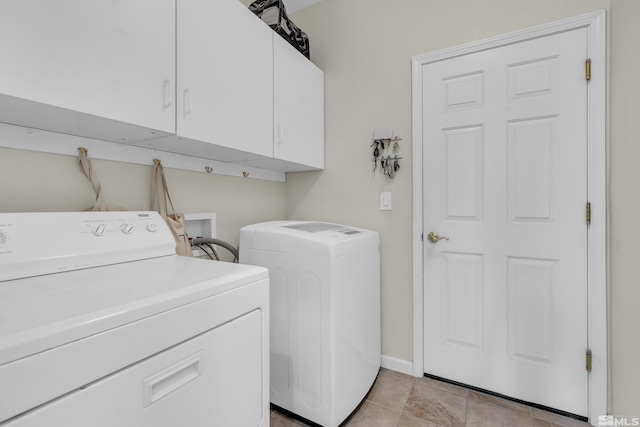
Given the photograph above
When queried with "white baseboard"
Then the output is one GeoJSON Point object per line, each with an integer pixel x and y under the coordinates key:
{"type": "Point", "coordinates": [398, 365]}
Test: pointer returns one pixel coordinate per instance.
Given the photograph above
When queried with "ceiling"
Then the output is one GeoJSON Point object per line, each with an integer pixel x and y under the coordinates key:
{"type": "Point", "coordinates": [293, 6]}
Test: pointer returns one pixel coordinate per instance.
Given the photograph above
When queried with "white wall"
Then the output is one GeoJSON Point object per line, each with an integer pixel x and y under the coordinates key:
{"type": "Point", "coordinates": [365, 49]}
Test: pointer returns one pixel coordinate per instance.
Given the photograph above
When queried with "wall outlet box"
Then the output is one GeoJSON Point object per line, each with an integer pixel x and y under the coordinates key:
{"type": "Point", "coordinates": [200, 225]}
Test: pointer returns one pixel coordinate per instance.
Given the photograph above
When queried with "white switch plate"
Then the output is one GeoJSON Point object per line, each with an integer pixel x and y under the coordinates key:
{"type": "Point", "coordinates": [385, 201]}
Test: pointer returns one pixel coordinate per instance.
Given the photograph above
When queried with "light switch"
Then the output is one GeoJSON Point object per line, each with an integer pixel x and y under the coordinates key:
{"type": "Point", "coordinates": [385, 201]}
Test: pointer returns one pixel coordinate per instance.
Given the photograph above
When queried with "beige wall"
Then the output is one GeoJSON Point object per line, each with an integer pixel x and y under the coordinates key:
{"type": "Point", "coordinates": [624, 206]}
{"type": "Point", "coordinates": [365, 48]}
{"type": "Point", "coordinates": [32, 181]}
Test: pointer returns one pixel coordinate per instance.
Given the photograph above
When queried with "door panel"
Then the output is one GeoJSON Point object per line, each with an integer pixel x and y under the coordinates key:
{"type": "Point", "coordinates": [533, 159]}
{"type": "Point", "coordinates": [464, 173]}
{"type": "Point", "coordinates": [463, 295]}
{"type": "Point", "coordinates": [505, 180]}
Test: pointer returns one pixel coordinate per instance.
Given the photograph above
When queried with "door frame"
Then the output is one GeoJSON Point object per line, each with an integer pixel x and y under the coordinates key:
{"type": "Point", "coordinates": [595, 23]}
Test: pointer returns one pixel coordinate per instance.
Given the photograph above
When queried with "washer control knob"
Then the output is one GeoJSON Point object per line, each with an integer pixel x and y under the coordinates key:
{"type": "Point", "coordinates": [99, 230]}
{"type": "Point", "coordinates": [126, 228]}
{"type": "Point", "coordinates": [152, 227]}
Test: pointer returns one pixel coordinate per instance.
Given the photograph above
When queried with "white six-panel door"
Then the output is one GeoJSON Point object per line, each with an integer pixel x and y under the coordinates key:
{"type": "Point", "coordinates": [505, 180]}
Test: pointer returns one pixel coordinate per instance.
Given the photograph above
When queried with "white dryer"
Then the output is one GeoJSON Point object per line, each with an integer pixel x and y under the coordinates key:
{"type": "Point", "coordinates": [103, 325]}
{"type": "Point", "coordinates": [325, 314]}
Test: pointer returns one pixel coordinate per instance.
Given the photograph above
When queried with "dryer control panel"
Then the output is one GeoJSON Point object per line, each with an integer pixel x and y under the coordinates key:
{"type": "Point", "coordinates": [37, 243]}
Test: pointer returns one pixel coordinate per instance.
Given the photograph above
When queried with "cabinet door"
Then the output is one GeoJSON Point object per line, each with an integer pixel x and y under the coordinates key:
{"type": "Point", "coordinates": [298, 107]}
{"type": "Point", "coordinates": [104, 58]}
{"type": "Point", "coordinates": [225, 76]}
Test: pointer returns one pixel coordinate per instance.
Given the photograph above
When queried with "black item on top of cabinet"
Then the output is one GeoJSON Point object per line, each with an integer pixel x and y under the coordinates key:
{"type": "Point", "coordinates": [274, 14]}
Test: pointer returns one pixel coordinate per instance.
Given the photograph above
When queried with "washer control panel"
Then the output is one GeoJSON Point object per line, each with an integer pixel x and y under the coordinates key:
{"type": "Point", "coordinates": [38, 243]}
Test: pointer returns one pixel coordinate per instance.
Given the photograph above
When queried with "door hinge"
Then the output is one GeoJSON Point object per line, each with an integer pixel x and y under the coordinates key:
{"type": "Point", "coordinates": [589, 358]}
{"type": "Point", "coordinates": [588, 213]}
{"type": "Point", "coordinates": [587, 69]}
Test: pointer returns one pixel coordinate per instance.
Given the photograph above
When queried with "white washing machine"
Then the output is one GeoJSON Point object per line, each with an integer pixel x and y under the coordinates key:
{"type": "Point", "coordinates": [325, 314]}
{"type": "Point", "coordinates": [103, 325]}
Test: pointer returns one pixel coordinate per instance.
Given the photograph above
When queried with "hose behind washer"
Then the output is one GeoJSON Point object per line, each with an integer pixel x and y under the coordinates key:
{"type": "Point", "coordinates": [210, 241]}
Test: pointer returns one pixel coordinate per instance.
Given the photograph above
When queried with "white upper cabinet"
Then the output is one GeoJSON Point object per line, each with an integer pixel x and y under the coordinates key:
{"type": "Point", "coordinates": [298, 107]}
{"type": "Point", "coordinates": [204, 78]}
{"type": "Point", "coordinates": [244, 94]}
{"type": "Point", "coordinates": [225, 79]}
{"type": "Point", "coordinates": [67, 65]}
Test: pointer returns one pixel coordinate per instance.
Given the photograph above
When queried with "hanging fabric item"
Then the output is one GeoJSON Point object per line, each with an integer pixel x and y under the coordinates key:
{"type": "Point", "coordinates": [274, 14]}
{"type": "Point", "coordinates": [174, 220]}
{"type": "Point", "coordinates": [90, 173]}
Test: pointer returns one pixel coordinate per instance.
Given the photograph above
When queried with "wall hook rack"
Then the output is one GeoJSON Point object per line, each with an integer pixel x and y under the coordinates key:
{"type": "Point", "coordinates": [385, 143]}
{"type": "Point", "coordinates": [385, 152]}
{"type": "Point", "coordinates": [389, 164]}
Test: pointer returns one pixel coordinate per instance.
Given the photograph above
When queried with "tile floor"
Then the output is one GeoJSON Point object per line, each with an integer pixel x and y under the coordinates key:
{"type": "Point", "coordinates": [398, 400]}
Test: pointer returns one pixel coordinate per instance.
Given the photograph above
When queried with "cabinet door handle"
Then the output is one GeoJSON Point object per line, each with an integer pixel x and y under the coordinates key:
{"type": "Point", "coordinates": [167, 94]}
{"type": "Point", "coordinates": [279, 134]}
{"type": "Point", "coordinates": [187, 101]}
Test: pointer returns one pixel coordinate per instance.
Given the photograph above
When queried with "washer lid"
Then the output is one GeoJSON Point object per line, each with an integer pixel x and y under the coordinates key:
{"type": "Point", "coordinates": [40, 313]}
{"type": "Point", "coordinates": [317, 227]}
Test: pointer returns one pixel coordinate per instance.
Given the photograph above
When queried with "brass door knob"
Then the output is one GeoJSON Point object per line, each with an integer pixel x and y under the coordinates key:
{"type": "Point", "coordinates": [434, 238]}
